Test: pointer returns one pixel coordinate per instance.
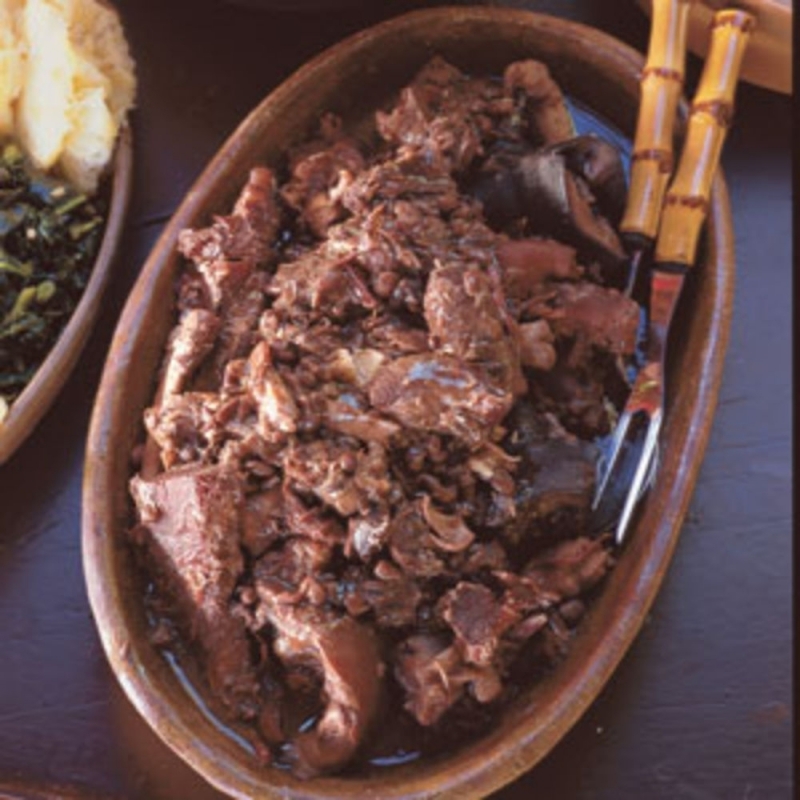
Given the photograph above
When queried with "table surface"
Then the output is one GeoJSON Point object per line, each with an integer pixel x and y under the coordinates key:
{"type": "Point", "coordinates": [701, 706]}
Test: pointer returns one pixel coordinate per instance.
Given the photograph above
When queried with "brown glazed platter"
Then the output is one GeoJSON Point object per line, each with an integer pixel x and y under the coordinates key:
{"type": "Point", "coordinates": [37, 397]}
{"type": "Point", "coordinates": [351, 78]}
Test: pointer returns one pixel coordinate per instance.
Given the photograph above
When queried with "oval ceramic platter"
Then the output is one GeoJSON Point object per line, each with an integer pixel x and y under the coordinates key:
{"type": "Point", "coordinates": [352, 78]}
{"type": "Point", "coordinates": [42, 390]}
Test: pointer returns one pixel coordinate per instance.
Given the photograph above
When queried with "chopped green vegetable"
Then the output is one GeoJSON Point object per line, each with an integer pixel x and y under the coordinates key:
{"type": "Point", "coordinates": [70, 205]}
{"type": "Point", "coordinates": [11, 264]}
{"type": "Point", "coordinates": [45, 290]}
{"type": "Point", "coordinates": [20, 307]}
{"type": "Point", "coordinates": [49, 237]}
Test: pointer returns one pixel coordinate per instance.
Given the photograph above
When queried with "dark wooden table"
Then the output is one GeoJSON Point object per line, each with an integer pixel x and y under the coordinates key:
{"type": "Point", "coordinates": [700, 708]}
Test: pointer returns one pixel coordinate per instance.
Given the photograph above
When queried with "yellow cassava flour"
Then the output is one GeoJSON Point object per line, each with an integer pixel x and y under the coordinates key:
{"type": "Point", "coordinates": [66, 83]}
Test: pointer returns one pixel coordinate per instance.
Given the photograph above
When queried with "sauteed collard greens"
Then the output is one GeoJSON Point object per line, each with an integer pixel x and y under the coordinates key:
{"type": "Point", "coordinates": [49, 236]}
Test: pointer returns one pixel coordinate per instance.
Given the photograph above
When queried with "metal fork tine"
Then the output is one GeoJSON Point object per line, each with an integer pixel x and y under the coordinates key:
{"type": "Point", "coordinates": [651, 474]}
{"type": "Point", "coordinates": [640, 478]}
{"type": "Point", "coordinates": [618, 440]}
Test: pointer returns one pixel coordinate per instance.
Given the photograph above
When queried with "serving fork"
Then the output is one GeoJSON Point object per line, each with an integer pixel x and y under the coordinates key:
{"type": "Point", "coordinates": [678, 220]}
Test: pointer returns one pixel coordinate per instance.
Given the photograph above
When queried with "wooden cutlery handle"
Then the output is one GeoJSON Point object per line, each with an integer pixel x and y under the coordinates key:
{"type": "Point", "coordinates": [661, 85]}
{"type": "Point", "coordinates": [686, 204]}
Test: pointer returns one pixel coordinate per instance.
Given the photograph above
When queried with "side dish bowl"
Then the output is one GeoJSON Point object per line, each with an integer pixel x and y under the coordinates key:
{"type": "Point", "coordinates": [28, 409]}
{"type": "Point", "coordinates": [354, 76]}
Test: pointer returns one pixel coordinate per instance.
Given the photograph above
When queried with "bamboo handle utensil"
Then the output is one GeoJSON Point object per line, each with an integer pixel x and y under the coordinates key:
{"type": "Point", "coordinates": [686, 204]}
{"type": "Point", "coordinates": [661, 86]}
{"type": "Point", "coordinates": [685, 210]}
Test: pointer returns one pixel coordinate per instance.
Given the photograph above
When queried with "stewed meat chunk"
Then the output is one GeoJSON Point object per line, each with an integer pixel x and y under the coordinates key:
{"type": "Point", "coordinates": [190, 522]}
